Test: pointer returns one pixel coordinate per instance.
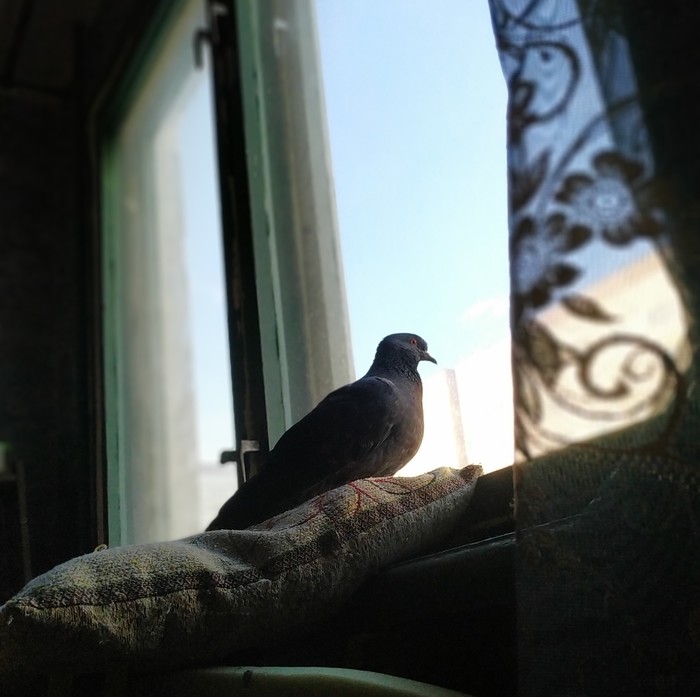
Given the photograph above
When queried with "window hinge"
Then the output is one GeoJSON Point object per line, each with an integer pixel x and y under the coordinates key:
{"type": "Point", "coordinates": [208, 34]}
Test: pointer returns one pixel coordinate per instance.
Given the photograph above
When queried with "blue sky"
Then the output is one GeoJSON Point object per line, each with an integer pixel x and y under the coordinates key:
{"type": "Point", "coordinates": [203, 254]}
{"type": "Point", "coordinates": [416, 106]}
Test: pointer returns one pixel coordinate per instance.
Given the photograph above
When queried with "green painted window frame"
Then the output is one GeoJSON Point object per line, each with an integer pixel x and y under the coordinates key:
{"type": "Point", "coordinates": [302, 308]}
{"type": "Point", "coordinates": [110, 117]}
{"type": "Point", "coordinates": [301, 294]}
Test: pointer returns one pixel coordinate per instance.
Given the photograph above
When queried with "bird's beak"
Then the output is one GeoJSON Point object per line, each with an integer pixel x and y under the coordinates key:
{"type": "Point", "coordinates": [427, 357]}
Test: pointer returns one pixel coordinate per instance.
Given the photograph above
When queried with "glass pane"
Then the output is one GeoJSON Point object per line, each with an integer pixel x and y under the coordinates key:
{"type": "Point", "coordinates": [166, 305]}
{"type": "Point", "coordinates": [417, 124]}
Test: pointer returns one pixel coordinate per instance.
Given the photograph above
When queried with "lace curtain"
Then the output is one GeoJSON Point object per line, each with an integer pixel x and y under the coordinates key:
{"type": "Point", "coordinates": [604, 297]}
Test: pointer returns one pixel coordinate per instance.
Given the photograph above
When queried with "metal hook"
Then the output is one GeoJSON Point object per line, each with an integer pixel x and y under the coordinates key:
{"type": "Point", "coordinates": [209, 34]}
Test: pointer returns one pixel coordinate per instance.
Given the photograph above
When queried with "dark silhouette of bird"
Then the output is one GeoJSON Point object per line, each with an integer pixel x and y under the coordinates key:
{"type": "Point", "coordinates": [369, 428]}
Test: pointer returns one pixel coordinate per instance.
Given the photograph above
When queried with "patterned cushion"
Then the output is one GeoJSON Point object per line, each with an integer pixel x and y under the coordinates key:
{"type": "Point", "coordinates": [198, 599]}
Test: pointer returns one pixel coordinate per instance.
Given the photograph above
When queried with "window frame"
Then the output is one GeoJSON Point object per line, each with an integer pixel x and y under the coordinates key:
{"type": "Point", "coordinates": [249, 410]}
{"type": "Point", "coordinates": [304, 322]}
{"type": "Point", "coordinates": [110, 111]}
{"type": "Point", "coordinates": [262, 370]}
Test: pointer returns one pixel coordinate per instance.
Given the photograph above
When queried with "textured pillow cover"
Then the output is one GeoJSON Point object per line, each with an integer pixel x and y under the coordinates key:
{"type": "Point", "coordinates": [198, 599]}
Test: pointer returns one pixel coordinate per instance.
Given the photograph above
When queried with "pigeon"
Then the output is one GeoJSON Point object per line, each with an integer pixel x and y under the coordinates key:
{"type": "Point", "coordinates": [369, 428]}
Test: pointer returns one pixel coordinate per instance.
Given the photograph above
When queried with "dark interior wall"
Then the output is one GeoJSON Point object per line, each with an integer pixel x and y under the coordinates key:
{"type": "Point", "coordinates": [49, 287]}
{"type": "Point", "coordinates": [42, 343]}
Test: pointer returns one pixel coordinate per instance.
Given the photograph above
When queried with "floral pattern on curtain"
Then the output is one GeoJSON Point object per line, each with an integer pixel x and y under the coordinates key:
{"type": "Point", "coordinates": [604, 307]}
{"type": "Point", "coordinates": [587, 215]}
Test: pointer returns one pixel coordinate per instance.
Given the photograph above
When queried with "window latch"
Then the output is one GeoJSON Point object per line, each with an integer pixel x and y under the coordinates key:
{"type": "Point", "coordinates": [239, 456]}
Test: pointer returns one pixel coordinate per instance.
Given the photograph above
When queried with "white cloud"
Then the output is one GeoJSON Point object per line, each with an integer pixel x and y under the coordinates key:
{"type": "Point", "coordinates": [494, 307]}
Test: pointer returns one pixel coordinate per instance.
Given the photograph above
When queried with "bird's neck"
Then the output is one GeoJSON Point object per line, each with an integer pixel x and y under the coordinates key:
{"type": "Point", "coordinates": [394, 370]}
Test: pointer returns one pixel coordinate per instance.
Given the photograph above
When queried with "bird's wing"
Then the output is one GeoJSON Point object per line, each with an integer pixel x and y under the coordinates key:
{"type": "Point", "coordinates": [342, 430]}
{"type": "Point", "coordinates": [330, 446]}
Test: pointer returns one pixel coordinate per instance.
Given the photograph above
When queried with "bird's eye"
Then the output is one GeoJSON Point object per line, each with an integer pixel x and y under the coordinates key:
{"type": "Point", "coordinates": [414, 342]}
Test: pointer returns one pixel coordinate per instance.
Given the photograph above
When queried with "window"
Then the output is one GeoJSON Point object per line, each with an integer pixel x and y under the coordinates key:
{"type": "Point", "coordinates": [167, 350]}
{"type": "Point", "coordinates": [372, 107]}
{"type": "Point", "coordinates": [169, 395]}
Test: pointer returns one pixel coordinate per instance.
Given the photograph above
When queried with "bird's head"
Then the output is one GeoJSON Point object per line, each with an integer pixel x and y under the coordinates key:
{"type": "Point", "coordinates": [410, 349]}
